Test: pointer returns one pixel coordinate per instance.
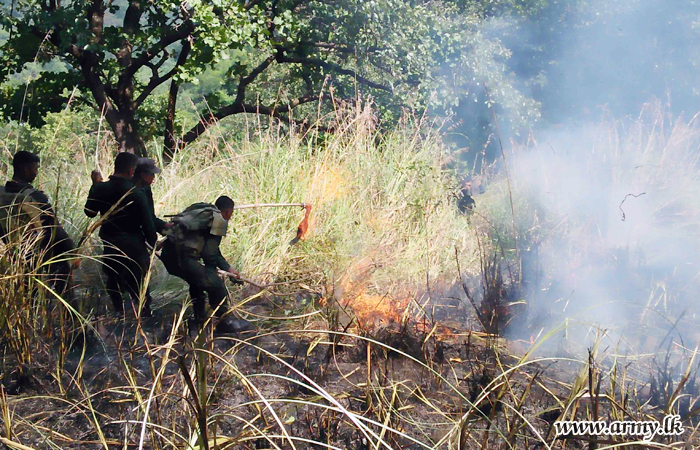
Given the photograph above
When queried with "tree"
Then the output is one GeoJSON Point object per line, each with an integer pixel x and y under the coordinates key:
{"type": "Point", "coordinates": [405, 54]}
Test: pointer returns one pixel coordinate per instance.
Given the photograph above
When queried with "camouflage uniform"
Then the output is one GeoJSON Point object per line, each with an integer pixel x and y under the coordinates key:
{"type": "Point", "coordinates": [159, 224]}
{"type": "Point", "coordinates": [55, 239]}
{"type": "Point", "coordinates": [124, 235]}
{"type": "Point", "coordinates": [183, 260]}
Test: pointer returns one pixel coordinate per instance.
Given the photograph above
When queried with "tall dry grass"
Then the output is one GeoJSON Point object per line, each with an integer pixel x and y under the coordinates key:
{"type": "Point", "coordinates": [383, 228]}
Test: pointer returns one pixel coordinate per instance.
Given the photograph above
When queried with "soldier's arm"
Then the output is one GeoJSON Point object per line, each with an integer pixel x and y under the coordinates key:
{"type": "Point", "coordinates": [60, 241]}
{"type": "Point", "coordinates": [146, 215]}
{"type": "Point", "coordinates": [160, 224]}
{"type": "Point", "coordinates": [48, 217]}
{"type": "Point", "coordinates": [91, 205]}
{"type": "Point", "coordinates": [211, 254]}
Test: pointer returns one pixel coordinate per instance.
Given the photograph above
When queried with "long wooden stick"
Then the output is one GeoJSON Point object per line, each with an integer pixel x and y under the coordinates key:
{"type": "Point", "coordinates": [242, 278]}
{"type": "Point", "coordinates": [257, 205]}
{"type": "Point", "coordinates": [269, 205]}
{"type": "Point", "coordinates": [262, 286]}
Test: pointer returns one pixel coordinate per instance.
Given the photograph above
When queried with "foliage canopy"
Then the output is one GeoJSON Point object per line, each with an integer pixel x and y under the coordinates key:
{"type": "Point", "coordinates": [278, 54]}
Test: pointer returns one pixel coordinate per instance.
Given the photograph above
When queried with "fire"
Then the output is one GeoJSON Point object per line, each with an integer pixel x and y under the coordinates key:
{"type": "Point", "coordinates": [374, 310]}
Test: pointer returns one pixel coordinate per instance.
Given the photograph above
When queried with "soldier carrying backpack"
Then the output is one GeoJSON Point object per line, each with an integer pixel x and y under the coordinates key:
{"type": "Point", "coordinates": [26, 214]}
{"type": "Point", "coordinates": [196, 235]}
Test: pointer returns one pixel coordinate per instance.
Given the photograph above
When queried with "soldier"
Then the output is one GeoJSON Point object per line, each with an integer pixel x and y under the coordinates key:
{"type": "Point", "coordinates": [465, 201]}
{"type": "Point", "coordinates": [195, 237]}
{"type": "Point", "coordinates": [55, 241]}
{"type": "Point", "coordinates": [145, 174]}
{"type": "Point", "coordinates": [125, 233]}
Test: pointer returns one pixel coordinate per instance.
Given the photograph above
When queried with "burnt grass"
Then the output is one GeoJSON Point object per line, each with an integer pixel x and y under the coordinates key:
{"type": "Point", "coordinates": [422, 380]}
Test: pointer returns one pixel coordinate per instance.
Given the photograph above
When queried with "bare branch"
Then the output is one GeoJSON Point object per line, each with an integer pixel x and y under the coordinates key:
{"type": "Point", "coordinates": [183, 32]}
{"type": "Point", "coordinates": [240, 96]}
{"type": "Point", "coordinates": [338, 47]}
{"type": "Point", "coordinates": [335, 68]}
{"type": "Point", "coordinates": [237, 108]}
{"type": "Point", "coordinates": [156, 80]}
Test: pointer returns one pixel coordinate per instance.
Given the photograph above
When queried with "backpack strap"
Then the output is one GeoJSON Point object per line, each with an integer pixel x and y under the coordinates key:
{"type": "Point", "coordinates": [219, 225]}
{"type": "Point", "coordinates": [13, 204]}
{"type": "Point", "coordinates": [29, 205]}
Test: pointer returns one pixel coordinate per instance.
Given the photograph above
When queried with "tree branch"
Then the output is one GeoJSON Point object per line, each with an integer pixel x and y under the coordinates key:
{"type": "Point", "coordinates": [250, 3]}
{"type": "Point", "coordinates": [153, 83]}
{"type": "Point", "coordinates": [169, 142]}
{"type": "Point", "coordinates": [132, 17]}
{"type": "Point", "coordinates": [157, 80]}
{"type": "Point", "coordinates": [277, 110]}
{"type": "Point", "coordinates": [237, 108]}
{"type": "Point", "coordinates": [130, 28]}
{"type": "Point", "coordinates": [96, 18]}
{"type": "Point", "coordinates": [240, 95]}
{"type": "Point", "coordinates": [335, 68]}
{"type": "Point", "coordinates": [183, 32]}
{"type": "Point", "coordinates": [338, 47]}
{"type": "Point", "coordinates": [88, 65]}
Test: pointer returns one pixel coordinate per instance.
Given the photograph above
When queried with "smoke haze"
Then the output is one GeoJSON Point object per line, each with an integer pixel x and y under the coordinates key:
{"type": "Point", "coordinates": [607, 186]}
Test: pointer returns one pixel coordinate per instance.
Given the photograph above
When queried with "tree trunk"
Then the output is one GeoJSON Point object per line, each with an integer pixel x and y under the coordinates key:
{"type": "Point", "coordinates": [128, 137]}
{"type": "Point", "coordinates": [170, 143]}
{"type": "Point", "coordinates": [169, 140]}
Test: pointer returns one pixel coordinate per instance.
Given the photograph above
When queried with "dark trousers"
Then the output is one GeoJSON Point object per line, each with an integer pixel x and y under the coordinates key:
{"type": "Point", "coordinates": [59, 274]}
{"type": "Point", "coordinates": [59, 247]}
{"type": "Point", "coordinates": [184, 263]}
{"type": "Point", "coordinates": [125, 260]}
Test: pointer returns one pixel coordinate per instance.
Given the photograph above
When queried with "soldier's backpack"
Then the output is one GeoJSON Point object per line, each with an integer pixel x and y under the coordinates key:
{"type": "Point", "coordinates": [193, 224]}
{"type": "Point", "coordinates": [20, 217]}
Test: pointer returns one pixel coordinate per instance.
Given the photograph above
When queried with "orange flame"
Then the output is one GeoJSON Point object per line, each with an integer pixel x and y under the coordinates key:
{"type": "Point", "coordinates": [303, 225]}
{"type": "Point", "coordinates": [376, 310]}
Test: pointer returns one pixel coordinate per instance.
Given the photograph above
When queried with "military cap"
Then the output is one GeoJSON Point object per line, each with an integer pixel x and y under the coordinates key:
{"type": "Point", "coordinates": [147, 165]}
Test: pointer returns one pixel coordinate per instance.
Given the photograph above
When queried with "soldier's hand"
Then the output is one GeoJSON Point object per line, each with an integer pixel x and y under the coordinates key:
{"type": "Point", "coordinates": [96, 176]}
{"type": "Point", "coordinates": [235, 276]}
{"type": "Point", "coordinates": [76, 263]}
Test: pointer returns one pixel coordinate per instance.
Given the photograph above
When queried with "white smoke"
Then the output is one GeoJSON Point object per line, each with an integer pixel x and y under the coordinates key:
{"type": "Point", "coordinates": [610, 225]}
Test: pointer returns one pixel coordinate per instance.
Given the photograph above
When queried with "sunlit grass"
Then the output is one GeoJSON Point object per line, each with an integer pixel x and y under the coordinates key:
{"type": "Point", "coordinates": [384, 234]}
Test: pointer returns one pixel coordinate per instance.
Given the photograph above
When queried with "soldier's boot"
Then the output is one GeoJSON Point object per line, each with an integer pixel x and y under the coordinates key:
{"type": "Point", "coordinates": [231, 325]}
{"type": "Point", "coordinates": [228, 323]}
{"type": "Point", "coordinates": [115, 295]}
{"type": "Point", "coordinates": [146, 311]}
{"type": "Point", "coordinates": [196, 323]}
{"type": "Point", "coordinates": [200, 311]}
